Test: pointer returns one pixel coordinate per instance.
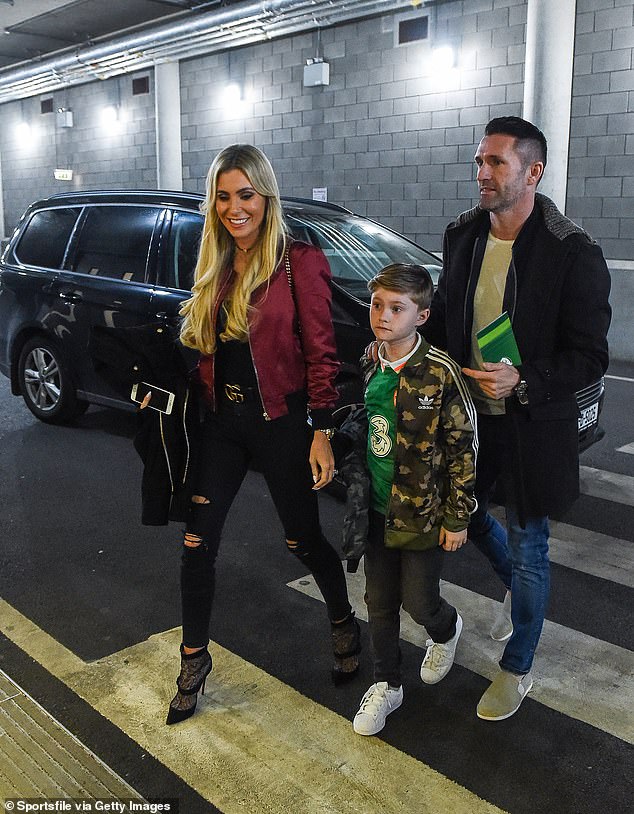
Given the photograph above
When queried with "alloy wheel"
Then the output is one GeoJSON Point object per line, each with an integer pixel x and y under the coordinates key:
{"type": "Point", "coordinates": [42, 379]}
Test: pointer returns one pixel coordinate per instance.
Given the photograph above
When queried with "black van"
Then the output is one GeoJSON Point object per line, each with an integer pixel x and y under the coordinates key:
{"type": "Point", "coordinates": [124, 258]}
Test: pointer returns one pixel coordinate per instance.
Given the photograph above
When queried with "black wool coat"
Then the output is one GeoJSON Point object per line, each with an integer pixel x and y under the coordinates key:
{"type": "Point", "coordinates": [167, 444]}
{"type": "Point", "coordinates": [557, 297]}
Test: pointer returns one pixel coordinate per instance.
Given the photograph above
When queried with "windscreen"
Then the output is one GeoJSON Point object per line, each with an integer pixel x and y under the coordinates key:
{"type": "Point", "coordinates": [357, 248]}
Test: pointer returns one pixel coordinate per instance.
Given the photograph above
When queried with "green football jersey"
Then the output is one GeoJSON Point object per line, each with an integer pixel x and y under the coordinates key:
{"type": "Point", "coordinates": [380, 405]}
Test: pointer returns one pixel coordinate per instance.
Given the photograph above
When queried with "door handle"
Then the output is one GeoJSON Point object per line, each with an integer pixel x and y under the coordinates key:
{"type": "Point", "coordinates": [169, 319]}
{"type": "Point", "coordinates": [70, 296]}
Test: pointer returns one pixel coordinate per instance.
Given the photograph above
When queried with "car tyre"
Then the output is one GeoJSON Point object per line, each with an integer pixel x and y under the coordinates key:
{"type": "Point", "coordinates": [46, 384]}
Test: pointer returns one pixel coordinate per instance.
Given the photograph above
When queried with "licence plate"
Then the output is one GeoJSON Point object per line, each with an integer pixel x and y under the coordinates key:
{"type": "Point", "coordinates": [589, 416]}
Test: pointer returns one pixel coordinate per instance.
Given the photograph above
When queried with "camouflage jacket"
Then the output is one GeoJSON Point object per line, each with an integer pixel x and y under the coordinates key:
{"type": "Point", "coordinates": [434, 468]}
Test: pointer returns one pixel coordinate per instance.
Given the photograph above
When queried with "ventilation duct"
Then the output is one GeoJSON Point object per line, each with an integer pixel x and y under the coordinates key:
{"type": "Point", "coordinates": [228, 27]}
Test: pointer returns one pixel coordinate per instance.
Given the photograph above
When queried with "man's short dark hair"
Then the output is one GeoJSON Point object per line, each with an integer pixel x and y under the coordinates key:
{"type": "Point", "coordinates": [531, 142]}
{"type": "Point", "coordinates": [410, 279]}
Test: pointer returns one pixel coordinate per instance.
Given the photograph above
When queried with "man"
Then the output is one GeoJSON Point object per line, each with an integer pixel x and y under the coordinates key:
{"type": "Point", "coordinates": [516, 252]}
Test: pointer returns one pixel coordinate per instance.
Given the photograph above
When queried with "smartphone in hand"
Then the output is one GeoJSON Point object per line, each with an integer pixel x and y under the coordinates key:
{"type": "Point", "coordinates": [160, 399]}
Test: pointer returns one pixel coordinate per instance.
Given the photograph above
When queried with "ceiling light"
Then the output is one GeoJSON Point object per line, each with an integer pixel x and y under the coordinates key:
{"type": "Point", "coordinates": [443, 58]}
{"type": "Point", "coordinates": [235, 100]}
{"type": "Point", "coordinates": [110, 114]}
{"type": "Point", "coordinates": [232, 94]}
{"type": "Point", "coordinates": [23, 131]}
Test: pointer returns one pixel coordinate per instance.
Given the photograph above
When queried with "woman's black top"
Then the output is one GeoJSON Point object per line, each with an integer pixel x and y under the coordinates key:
{"type": "Point", "coordinates": [236, 381]}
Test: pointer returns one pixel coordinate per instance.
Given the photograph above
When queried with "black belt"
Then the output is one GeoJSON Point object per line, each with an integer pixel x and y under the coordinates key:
{"type": "Point", "coordinates": [235, 399]}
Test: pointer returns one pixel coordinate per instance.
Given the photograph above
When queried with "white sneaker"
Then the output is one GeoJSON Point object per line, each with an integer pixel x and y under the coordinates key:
{"type": "Point", "coordinates": [376, 705]}
{"type": "Point", "coordinates": [502, 627]}
{"type": "Point", "coordinates": [439, 657]}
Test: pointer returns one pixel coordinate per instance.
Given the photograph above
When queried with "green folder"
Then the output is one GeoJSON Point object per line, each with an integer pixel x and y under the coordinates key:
{"type": "Point", "coordinates": [497, 341]}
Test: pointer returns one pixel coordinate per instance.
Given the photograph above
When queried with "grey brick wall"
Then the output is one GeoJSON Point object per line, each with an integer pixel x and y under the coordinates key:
{"type": "Point", "coordinates": [387, 137]}
{"type": "Point", "coordinates": [601, 166]}
{"type": "Point", "coordinates": [99, 155]}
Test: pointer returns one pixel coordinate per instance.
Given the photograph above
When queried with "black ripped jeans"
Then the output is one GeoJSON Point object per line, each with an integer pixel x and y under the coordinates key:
{"type": "Point", "coordinates": [280, 449]}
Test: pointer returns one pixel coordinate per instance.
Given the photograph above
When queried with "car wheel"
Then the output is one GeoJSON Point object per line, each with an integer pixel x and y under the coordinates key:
{"type": "Point", "coordinates": [46, 384]}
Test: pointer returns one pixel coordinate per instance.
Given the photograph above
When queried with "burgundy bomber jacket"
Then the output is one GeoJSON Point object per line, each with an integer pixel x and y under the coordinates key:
{"type": "Point", "coordinates": [291, 337]}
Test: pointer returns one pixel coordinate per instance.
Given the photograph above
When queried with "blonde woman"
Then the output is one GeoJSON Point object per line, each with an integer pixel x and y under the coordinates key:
{"type": "Point", "coordinates": [260, 316]}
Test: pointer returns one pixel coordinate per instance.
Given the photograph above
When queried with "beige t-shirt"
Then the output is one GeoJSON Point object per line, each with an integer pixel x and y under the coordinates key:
{"type": "Point", "coordinates": [487, 306]}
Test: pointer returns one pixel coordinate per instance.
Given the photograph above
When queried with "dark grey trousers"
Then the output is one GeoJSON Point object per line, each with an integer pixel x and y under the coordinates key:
{"type": "Point", "coordinates": [395, 578]}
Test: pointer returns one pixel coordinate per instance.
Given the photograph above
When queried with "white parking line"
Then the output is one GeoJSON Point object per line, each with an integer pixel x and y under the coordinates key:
{"type": "Point", "coordinates": [629, 448]}
{"type": "Point", "coordinates": [588, 551]}
{"type": "Point", "coordinates": [619, 378]}
{"type": "Point", "coordinates": [584, 551]}
{"type": "Point", "coordinates": [607, 485]}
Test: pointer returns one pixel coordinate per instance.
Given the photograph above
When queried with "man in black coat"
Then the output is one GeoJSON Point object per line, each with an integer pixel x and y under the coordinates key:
{"type": "Point", "coordinates": [516, 252]}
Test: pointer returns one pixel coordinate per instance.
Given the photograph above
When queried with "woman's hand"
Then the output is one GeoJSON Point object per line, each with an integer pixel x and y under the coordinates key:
{"type": "Point", "coordinates": [322, 461]}
{"type": "Point", "coordinates": [146, 400]}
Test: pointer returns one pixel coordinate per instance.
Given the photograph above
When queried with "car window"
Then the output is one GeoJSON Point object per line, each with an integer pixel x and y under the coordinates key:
{"type": "Point", "coordinates": [357, 248]}
{"type": "Point", "coordinates": [115, 241]}
{"type": "Point", "coordinates": [182, 250]}
{"type": "Point", "coordinates": [45, 237]}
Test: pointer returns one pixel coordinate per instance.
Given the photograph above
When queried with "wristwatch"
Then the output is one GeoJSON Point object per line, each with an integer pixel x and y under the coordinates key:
{"type": "Point", "coordinates": [521, 391]}
{"type": "Point", "coordinates": [328, 432]}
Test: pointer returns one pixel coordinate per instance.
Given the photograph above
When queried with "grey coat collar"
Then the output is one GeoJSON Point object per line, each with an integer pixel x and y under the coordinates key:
{"type": "Point", "coordinates": [557, 224]}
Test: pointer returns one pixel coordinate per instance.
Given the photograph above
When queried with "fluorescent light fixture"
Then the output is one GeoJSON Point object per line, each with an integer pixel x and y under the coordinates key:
{"type": "Point", "coordinates": [24, 131]}
{"type": "Point", "coordinates": [109, 114]}
{"type": "Point", "coordinates": [232, 94]}
{"type": "Point", "coordinates": [443, 58]}
{"type": "Point", "coordinates": [235, 100]}
{"type": "Point", "coordinates": [26, 135]}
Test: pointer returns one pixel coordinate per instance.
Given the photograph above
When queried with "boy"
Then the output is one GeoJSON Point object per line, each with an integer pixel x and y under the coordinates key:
{"type": "Point", "coordinates": [421, 453]}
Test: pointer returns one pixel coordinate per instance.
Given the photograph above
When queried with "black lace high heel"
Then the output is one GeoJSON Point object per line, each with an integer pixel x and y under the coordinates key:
{"type": "Point", "coordinates": [195, 667]}
{"type": "Point", "coordinates": [346, 646]}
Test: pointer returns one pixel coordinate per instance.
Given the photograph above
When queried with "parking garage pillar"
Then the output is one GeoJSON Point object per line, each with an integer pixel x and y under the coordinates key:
{"type": "Point", "coordinates": [167, 94]}
{"type": "Point", "coordinates": [550, 42]}
{"type": "Point", "coordinates": [2, 226]}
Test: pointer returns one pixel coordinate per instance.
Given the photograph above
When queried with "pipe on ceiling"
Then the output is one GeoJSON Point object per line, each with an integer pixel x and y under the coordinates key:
{"type": "Point", "coordinates": [239, 24]}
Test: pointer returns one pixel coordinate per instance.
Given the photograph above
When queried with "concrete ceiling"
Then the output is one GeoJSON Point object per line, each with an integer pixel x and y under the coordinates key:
{"type": "Point", "coordinates": [32, 29]}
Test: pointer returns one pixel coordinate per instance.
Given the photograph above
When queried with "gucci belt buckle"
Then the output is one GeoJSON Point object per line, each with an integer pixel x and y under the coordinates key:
{"type": "Point", "coordinates": [233, 393]}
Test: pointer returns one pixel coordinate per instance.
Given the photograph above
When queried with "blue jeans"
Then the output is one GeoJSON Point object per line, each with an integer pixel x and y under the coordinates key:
{"type": "Point", "coordinates": [519, 556]}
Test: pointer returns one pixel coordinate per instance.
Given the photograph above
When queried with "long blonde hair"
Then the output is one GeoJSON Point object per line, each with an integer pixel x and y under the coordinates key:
{"type": "Point", "coordinates": [217, 248]}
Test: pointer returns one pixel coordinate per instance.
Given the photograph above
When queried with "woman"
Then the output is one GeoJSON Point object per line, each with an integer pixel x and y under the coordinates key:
{"type": "Point", "coordinates": [260, 316]}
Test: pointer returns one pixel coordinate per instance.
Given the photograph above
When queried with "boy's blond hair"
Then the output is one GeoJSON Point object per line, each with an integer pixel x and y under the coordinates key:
{"type": "Point", "coordinates": [415, 281]}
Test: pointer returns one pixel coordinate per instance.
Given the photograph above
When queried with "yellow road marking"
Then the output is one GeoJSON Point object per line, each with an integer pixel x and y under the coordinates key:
{"type": "Point", "coordinates": [256, 745]}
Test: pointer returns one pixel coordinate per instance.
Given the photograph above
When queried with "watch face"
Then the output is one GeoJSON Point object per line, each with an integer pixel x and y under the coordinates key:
{"type": "Point", "coordinates": [522, 392]}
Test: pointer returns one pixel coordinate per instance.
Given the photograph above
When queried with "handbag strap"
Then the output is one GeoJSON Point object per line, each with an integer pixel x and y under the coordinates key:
{"type": "Point", "coordinates": [289, 273]}
{"type": "Point", "coordinates": [291, 285]}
